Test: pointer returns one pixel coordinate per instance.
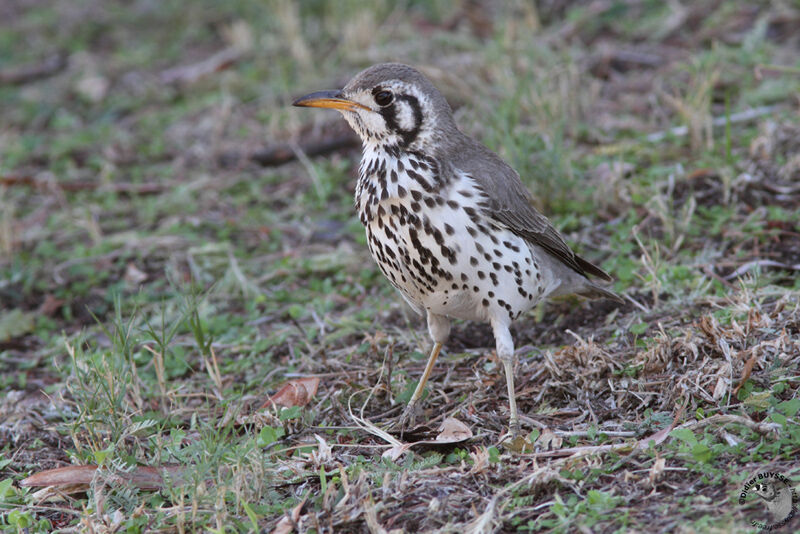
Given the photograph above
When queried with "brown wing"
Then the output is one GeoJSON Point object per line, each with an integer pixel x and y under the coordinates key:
{"type": "Point", "coordinates": [510, 204]}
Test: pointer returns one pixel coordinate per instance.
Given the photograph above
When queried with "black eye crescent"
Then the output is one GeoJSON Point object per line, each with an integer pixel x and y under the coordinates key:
{"type": "Point", "coordinates": [384, 98]}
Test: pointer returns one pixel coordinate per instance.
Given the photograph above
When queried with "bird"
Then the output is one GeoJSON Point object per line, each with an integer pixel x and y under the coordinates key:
{"type": "Point", "coordinates": [449, 223]}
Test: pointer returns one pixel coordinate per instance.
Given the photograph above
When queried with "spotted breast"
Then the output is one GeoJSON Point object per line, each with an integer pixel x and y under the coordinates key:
{"type": "Point", "coordinates": [427, 232]}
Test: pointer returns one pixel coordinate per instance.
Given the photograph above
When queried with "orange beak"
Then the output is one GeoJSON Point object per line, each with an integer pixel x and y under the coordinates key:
{"type": "Point", "coordinates": [327, 99]}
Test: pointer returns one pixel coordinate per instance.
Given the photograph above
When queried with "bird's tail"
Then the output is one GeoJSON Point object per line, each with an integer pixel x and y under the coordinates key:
{"type": "Point", "coordinates": [594, 291]}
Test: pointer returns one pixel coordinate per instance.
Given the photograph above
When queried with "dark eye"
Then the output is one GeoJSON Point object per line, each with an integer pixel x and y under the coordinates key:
{"type": "Point", "coordinates": [384, 98]}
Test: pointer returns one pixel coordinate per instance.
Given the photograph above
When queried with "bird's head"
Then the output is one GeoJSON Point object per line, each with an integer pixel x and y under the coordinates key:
{"type": "Point", "coordinates": [389, 104]}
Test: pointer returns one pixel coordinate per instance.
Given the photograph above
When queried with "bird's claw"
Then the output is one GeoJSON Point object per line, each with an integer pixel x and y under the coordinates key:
{"type": "Point", "coordinates": [407, 419]}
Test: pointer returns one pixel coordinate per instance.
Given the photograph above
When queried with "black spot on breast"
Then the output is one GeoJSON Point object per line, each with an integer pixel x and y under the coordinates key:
{"type": "Point", "coordinates": [448, 229]}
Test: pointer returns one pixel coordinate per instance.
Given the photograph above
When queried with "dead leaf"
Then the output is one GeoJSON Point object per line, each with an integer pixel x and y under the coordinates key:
{"type": "Point", "coordinates": [480, 460]}
{"type": "Point", "coordinates": [50, 305]}
{"type": "Point", "coordinates": [746, 371]}
{"type": "Point", "coordinates": [297, 392]}
{"type": "Point", "coordinates": [287, 522]}
{"type": "Point", "coordinates": [133, 275]}
{"type": "Point", "coordinates": [453, 431]}
{"type": "Point", "coordinates": [518, 444]}
{"type": "Point", "coordinates": [143, 477]}
{"type": "Point", "coordinates": [397, 451]}
{"type": "Point", "coordinates": [72, 474]}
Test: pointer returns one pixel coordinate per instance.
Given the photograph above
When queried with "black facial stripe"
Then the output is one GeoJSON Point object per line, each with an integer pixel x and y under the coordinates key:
{"type": "Point", "coordinates": [389, 114]}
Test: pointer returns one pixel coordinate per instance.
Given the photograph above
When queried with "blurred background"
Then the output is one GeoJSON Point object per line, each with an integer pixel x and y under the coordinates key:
{"type": "Point", "coordinates": [157, 189]}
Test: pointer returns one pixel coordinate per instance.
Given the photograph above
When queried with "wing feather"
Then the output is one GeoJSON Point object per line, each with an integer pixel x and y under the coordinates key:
{"type": "Point", "coordinates": [510, 205]}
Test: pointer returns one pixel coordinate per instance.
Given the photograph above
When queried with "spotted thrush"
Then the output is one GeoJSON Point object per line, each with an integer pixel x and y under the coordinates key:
{"type": "Point", "coordinates": [448, 222]}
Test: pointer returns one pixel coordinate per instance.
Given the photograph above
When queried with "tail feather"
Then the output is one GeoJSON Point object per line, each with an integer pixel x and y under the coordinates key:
{"type": "Point", "coordinates": [593, 291]}
{"type": "Point", "coordinates": [592, 269]}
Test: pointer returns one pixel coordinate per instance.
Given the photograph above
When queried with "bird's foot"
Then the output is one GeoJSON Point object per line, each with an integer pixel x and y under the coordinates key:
{"type": "Point", "coordinates": [514, 440]}
{"type": "Point", "coordinates": [407, 419]}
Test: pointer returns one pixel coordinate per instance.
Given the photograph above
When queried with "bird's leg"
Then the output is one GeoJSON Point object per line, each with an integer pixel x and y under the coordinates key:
{"type": "Point", "coordinates": [439, 328]}
{"type": "Point", "coordinates": [513, 420]}
{"type": "Point", "coordinates": [505, 351]}
{"type": "Point", "coordinates": [410, 413]}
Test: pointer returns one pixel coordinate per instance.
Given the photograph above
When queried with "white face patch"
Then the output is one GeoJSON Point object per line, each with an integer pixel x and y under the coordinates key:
{"type": "Point", "coordinates": [405, 116]}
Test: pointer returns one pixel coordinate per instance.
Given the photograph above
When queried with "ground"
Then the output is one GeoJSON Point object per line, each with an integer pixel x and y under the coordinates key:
{"type": "Point", "coordinates": [180, 259]}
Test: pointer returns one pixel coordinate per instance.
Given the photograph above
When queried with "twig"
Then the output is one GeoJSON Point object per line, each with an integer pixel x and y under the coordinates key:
{"type": "Point", "coordinates": [32, 72]}
{"type": "Point", "coordinates": [761, 263]}
{"type": "Point", "coordinates": [483, 522]}
{"type": "Point", "coordinates": [81, 185]}
{"type": "Point", "coordinates": [191, 73]}
{"type": "Point", "coordinates": [284, 153]}
{"type": "Point", "coordinates": [761, 428]}
{"type": "Point", "coordinates": [742, 116]}
{"type": "Point", "coordinates": [709, 270]}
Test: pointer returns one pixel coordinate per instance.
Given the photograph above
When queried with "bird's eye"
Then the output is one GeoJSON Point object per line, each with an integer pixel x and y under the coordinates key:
{"type": "Point", "coordinates": [384, 98]}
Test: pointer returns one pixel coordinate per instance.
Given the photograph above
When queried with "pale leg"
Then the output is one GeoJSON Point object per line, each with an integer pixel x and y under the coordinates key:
{"type": "Point", "coordinates": [505, 351]}
{"type": "Point", "coordinates": [439, 328]}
